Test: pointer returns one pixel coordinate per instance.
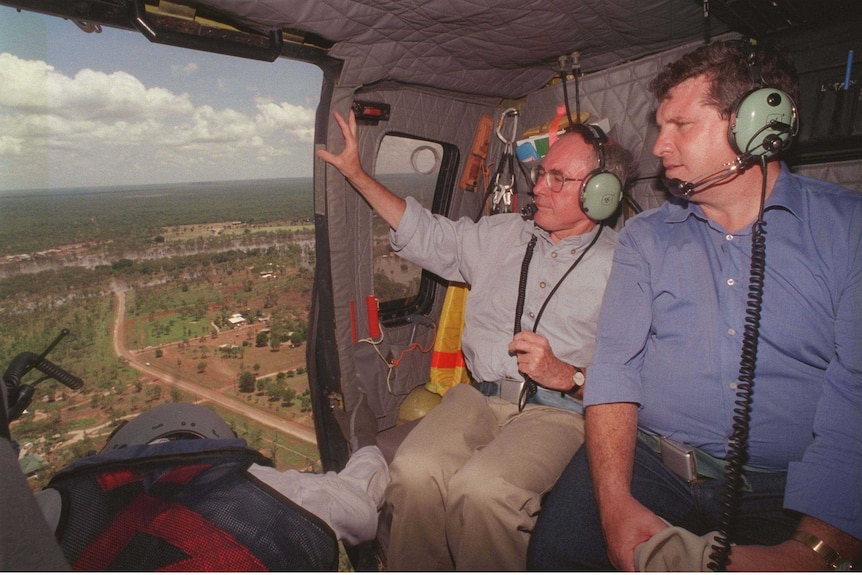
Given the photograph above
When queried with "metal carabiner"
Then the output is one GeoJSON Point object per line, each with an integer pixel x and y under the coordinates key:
{"type": "Point", "coordinates": [508, 113]}
{"type": "Point", "coordinates": [504, 192]}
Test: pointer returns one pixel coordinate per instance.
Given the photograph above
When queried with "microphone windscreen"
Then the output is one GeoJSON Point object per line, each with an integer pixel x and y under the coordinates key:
{"type": "Point", "coordinates": [678, 188]}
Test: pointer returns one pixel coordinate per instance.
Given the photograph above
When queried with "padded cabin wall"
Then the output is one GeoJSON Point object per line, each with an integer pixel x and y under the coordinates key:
{"type": "Point", "coordinates": [848, 174]}
{"type": "Point", "coordinates": [424, 115]}
{"type": "Point", "coordinates": [619, 95]}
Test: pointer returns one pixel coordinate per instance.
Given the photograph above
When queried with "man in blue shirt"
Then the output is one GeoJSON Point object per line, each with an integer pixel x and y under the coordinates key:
{"type": "Point", "coordinates": [676, 317]}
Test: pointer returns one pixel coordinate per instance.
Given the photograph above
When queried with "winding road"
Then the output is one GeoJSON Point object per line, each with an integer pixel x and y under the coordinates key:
{"type": "Point", "coordinates": [288, 427]}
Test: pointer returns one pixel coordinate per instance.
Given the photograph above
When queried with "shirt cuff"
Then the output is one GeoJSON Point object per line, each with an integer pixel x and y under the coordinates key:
{"type": "Point", "coordinates": [612, 383]}
{"type": "Point", "coordinates": [829, 495]}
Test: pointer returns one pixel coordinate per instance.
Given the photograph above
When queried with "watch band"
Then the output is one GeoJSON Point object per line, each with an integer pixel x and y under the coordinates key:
{"type": "Point", "coordinates": [578, 380]}
{"type": "Point", "coordinates": [833, 559]}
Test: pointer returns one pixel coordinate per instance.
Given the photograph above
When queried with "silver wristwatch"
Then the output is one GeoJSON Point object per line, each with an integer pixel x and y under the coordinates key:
{"type": "Point", "coordinates": [579, 378]}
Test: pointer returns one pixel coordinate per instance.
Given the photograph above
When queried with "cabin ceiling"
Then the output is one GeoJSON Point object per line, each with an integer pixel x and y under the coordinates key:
{"type": "Point", "coordinates": [500, 48]}
{"type": "Point", "coordinates": [497, 48]}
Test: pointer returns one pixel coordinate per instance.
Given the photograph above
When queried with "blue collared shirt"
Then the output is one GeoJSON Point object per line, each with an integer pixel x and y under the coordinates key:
{"type": "Point", "coordinates": [672, 324]}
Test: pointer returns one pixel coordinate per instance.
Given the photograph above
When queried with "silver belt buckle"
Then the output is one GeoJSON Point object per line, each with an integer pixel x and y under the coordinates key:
{"type": "Point", "coordinates": [511, 390]}
{"type": "Point", "coordinates": [679, 458]}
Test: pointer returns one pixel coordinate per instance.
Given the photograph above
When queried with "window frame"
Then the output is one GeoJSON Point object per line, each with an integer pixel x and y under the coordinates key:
{"type": "Point", "coordinates": [393, 313]}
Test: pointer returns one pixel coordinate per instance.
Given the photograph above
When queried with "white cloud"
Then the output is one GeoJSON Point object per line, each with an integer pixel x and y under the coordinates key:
{"type": "Point", "coordinates": [55, 130]}
{"type": "Point", "coordinates": [9, 145]}
{"type": "Point", "coordinates": [297, 120]}
{"type": "Point", "coordinates": [34, 87]}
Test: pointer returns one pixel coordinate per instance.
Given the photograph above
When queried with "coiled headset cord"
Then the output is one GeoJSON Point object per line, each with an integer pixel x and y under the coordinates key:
{"type": "Point", "coordinates": [530, 386]}
{"type": "Point", "coordinates": [737, 453]}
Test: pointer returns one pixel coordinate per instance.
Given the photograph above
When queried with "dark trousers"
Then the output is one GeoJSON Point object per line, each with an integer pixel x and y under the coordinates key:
{"type": "Point", "coordinates": [568, 534]}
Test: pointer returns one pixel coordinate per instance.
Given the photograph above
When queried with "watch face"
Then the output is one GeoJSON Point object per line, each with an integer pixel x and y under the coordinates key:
{"type": "Point", "coordinates": [579, 378]}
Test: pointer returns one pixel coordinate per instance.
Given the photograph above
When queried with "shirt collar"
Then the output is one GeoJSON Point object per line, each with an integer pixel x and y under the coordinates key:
{"type": "Point", "coordinates": [573, 241]}
{"type": "Point", "coordinates": [786, 196]}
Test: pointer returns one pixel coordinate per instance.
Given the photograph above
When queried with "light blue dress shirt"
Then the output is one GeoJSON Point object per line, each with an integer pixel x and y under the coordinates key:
{"type": "Point", "coordinates": [487, 255]}
{"type": "Point", "coordinates": [672, 325]}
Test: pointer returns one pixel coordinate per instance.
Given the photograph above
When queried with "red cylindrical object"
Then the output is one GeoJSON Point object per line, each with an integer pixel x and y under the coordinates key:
{"type": "Point", "coordinates": [373, 319]}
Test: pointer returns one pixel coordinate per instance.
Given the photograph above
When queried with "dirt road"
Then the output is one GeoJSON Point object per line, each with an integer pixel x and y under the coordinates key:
{"type": "Point", "coordinates": [289, 427]}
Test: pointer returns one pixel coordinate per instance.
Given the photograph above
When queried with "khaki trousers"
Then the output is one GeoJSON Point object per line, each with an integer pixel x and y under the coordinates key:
{"type": "Point", "coordinates": [468, 481]}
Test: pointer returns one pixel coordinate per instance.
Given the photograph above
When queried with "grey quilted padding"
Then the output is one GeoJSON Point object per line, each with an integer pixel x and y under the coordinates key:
{"type": "Point", "coordinates": [500, 48]}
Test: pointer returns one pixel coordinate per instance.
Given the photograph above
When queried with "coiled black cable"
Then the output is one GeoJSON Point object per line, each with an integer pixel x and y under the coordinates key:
{"type": "Point", "coordinates": [737, 453]}
{"type": "Point", "coordinates": [26, 361]}
{"type": "Point", "coordinates": [19, 396]}
{"type": "Point", "coordinates": [522, 282]}
{"type": "Point", "coordinates": [529, 385]}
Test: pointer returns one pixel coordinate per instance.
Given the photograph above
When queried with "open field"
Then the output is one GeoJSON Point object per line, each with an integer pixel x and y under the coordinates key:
{"type": "Point", "coordinates": [192, 232]}
{"type": "Point", "coordinates": [131, 217]}
{"type": "Point", "coordinates": [178, 306]}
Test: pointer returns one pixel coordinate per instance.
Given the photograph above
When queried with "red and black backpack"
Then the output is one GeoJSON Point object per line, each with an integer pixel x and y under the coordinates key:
{"type": "Point", "coordinates": [186, 505]}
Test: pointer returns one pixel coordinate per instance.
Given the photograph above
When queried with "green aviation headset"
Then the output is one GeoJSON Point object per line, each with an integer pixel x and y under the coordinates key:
{"type": "Point", "coordinates": [766, 118]}
{"type": "Point", "coordinates": [601, 191]}
{"type": "Point", "coordinates": [766, 121]}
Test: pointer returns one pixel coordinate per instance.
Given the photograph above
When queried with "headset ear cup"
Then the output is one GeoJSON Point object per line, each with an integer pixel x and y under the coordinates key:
{"type": "Point", "coordinates": [764, 123]}
{"type": "Point", "coordinates": [601, 194]}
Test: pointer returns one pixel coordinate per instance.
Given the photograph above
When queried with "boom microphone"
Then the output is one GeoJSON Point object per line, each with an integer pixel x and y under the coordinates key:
{"type": "Point", "coordinates": [685, 190]}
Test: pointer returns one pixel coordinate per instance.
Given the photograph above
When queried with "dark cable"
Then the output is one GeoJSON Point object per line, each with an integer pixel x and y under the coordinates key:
{"type": "Point", "coordinates": [632, 202]}
{"type": "Point", "coordinates": [530, 386]}
{"type": "Point", "coordinates": [564, 77]}
{"type": "Point", "coordinates": [522, 283]}
{"type": "Point", "coordinates": [737, 453]}
{"type": "Point", "coordinates": [577, 93]}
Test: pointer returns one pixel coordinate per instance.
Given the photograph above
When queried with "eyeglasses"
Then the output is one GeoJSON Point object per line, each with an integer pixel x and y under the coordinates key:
{"type": "Point", "coordinates": [554, 180]}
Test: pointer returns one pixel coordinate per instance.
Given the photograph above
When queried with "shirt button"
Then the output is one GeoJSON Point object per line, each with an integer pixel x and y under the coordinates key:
{"type": "Point", "coordinates": [731, 331]}
{"type": "Point", "coordinates": [728, 237]}
{"type": "Point", "coordinates": [733, 385]}
{"type": "Point", "coordinates": [730, 282]}
{"type": "Point", "coordinates": [542, 285]}
{"type": "Point", "coordinates": [532, 314]}
{"type": "Point", "coordinates": [554, 255]}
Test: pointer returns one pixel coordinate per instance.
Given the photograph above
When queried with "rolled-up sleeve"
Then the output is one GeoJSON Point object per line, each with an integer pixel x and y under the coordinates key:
{"type": "Point", "coordinates": [431, 241]}
{"type": "Point", "coordinates": [624, 324]}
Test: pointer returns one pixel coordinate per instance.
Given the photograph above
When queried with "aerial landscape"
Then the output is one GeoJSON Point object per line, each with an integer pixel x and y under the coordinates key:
{"type": "Point", "coordinates": [177, 292]}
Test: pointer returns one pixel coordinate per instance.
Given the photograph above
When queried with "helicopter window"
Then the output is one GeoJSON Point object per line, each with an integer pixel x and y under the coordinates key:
{"type": "Point", "coordinates": [422, 169]}
{"type": "Point", "coordinates": [174, 181]}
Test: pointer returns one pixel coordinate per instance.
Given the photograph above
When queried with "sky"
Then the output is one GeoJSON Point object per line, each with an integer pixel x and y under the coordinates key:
{"type": "Point", "coordinates": [108, 108]}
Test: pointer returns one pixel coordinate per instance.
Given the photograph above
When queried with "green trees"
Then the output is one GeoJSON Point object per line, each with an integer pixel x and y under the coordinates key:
{"type": "Point", "coordinates": [246, 382]}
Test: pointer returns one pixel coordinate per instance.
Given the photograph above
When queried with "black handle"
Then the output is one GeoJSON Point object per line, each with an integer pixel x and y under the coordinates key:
{"type": "Point", "coordinates": [268, 52]}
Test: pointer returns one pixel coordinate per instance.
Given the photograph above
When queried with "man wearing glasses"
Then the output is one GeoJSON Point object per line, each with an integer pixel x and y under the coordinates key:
{"type": "Point", "coordinates": [467, 483]}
